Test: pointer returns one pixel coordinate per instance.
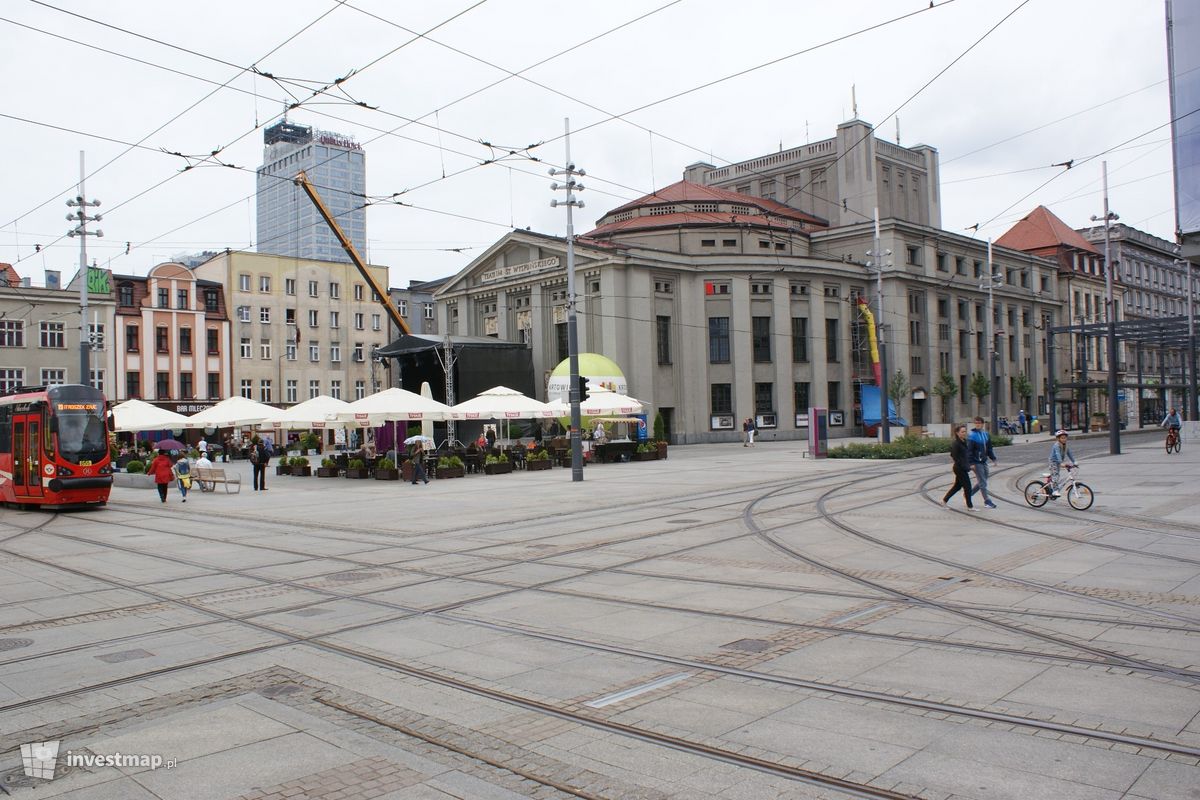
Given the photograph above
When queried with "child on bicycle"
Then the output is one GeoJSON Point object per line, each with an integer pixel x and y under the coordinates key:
{"type": "Point", "coordinates": [1060, 455]}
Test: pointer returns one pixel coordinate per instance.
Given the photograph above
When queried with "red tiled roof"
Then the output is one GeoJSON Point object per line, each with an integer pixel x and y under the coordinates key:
{"type": "Point", "coordinates": [9, 276]}
{"type": "Point", "coordinates": [1041, 230]}
{"type": "Point", "coordinates": [687, 218]}
{"type": "Point", "coordinates": [689, 192]}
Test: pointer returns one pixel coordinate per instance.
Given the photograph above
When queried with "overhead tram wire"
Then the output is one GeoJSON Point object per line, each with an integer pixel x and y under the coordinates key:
{"type": "Point", "coordinates": [241, 71]}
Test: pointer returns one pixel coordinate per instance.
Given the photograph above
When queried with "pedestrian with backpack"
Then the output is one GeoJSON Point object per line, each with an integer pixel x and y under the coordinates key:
{"type": "Point", "coordinates": [259, 456]}
{"type": "Point", "coordinates": [183, 475]}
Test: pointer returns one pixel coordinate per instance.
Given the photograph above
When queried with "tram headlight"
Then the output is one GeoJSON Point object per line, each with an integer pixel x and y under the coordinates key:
{"type": "Point", "coordinates": [64, 471]}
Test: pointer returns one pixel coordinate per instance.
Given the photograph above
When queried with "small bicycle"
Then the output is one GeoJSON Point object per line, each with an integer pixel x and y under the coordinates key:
{"type": "Point", "coordinates": [1079, 495]}
{"type": "Point", "coordinates": [1174, 441]}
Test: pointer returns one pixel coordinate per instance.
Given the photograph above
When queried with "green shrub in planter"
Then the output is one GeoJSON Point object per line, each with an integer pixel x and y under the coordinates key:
{"type": "Point", "coordinates": [328, 463]}
{"type": "Point", "coordinates": [356, 463]}
{"type": "Point", "coordinates": [904, 447]}
{"type": "Point", "coordinates": [386, 463]}
{"type": "Point", "coordinates": [135, 467]}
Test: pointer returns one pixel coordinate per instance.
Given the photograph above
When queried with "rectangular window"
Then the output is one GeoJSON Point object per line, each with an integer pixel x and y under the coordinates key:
{"type": "Point", "coordinates": [291, 389]}
{"type": "Point", "coordinates": [264, 349]}
{"type": "Point", "coordinates": [289, 286]}
{"type": "Point", "coordinates": [764, 398]}
{"type": "Point", "coordinates": [360, 390]}
{"type": "Point", "coordinates": [714, 288]}
{"type": "Point", "coordinates": [210, 300]}
{"type": "Point", "coordinates": [12, 333]}
{"type": "Point", "coordinates": [663, 331]}
{"type": "Point", "coordinates": [186, 390]}
{"type": "Point", "coordinates": [761, 327]}
{"type": "Point", "coordinates": [722, 398]}
{"type": "Point", "coordinates": [53, 335]}
{"type": "Point", "coordinates": [960, 265]}
{"type": "Point", "coordinates": [162, 385]}
{"type": "Point", "coordinates": [98, 379]}
{"type": "Point", "coordinates": [718, 340]}
{"type": "Point", "coordinates": [313, 317]}
{"type": "Point", "coordinates": [243, 313]}
{"type": "Point", "coordinates": [264, 314]}
{"type": "Point", "coordinates": [164, 298]}
{"type": "Point", "coordinates": [212, 342]}
{"type": "Point", "coordinates": [314, 389]}
{"type": "Point", "coordinates": [335, 291]}
{"type": "Point", "coordinates": [334, 319]}
{"type": "Point", "coordinates": [181, 299]}
{"type": "Point", "coordinates": [800, 396]}
{"type": "Point", "coordinates": [53, 377]}
{"type": "Point", "coordinates": [962, 390]}
{"type": "Point", "coordinates": [358, 292]}
{"type": "Point", "coordinates": [133, 385]}
{"type": "Point", "coordinates": [162, 340]}
{"type": "Point", "coordinates": [313, 288]}
{"type": "Point", "coordinates": [358, 321]}
{"type": "Point", "coordinates": [244, 282]}
{"type": "Point", "coordinates": [941, 263]}
{"type": "Point", "coordinates": [264, 283]}
{"type": "Point", "coordinates": [11, 378]}
{"type": "Point", "coordinates": [264, 391]}
{"type": "Point", "coordinates": [834, 394]}
{"type": "Point", "coordinates": [335, 390]}
{"type": "Point", "coordinates": [799, 340]}
{"type": "Point", "coordinates": [214, 386]}
{"type": "Point", "coordinates": [913, 254]}
{"type": "Point", "coordinates": [560, 336]}
{"type": "Point", "coordinates": [402, 307]}
{"type": "Point", "coordinates": [247, 388]}
{"type": "Point", "coordinates": [358, 352]}
{"type": "Point", "coordinates": [131, 338]}
{"type": "Point", "coordinates": [428, 310]}
{"type": "Point", "coordinates": [918, 368]}
{"type": "Point", "coordinates": [125, 295]}
{"type": "Point", "coordinates": [185, 341]}
{"type": "Point", "coordinates": [831, 344]}
{"type": "Point", "coordinates": [289, 351]}
{"type": "Point", "coordinates": [375, 322]}
{"type": "Point", "coordinates": [335, 352]}
{"type": "Point", "coordinates": [314, 352]}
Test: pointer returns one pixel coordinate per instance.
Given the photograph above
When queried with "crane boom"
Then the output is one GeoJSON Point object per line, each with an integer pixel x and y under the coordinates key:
{"type": "Point", "coordinates": [302, 181]}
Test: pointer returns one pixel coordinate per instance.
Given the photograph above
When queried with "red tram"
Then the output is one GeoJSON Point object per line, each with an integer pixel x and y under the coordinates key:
{"type": "Point", "coordinates": [54, 447]}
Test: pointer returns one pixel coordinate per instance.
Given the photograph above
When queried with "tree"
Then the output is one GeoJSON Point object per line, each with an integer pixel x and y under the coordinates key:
{"type": "Point", "coordinates": [947, 390]}
{"type": "Point", "coordinates": [981, 387]}
{"type": "Point", "coordinates": [897, 390]}
{"type": "Point", "coordinates": [1024, 389]}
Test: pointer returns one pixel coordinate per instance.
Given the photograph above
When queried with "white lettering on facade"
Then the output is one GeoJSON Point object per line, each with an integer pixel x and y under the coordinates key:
{"type": "Point", "coordinates": [512, 270]}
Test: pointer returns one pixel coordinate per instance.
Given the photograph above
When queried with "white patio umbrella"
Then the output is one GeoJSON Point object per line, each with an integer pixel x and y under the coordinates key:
{"type": "Point", "coordinates": [603, 402]}
{"type": "Point", "coordinates": [393, 405]}
{"type": "Point", "coordinates": [136, 415]}
{"type": "Point", "coordinates": [500, 402]}
{"type": "Point", "coordinates": [231, 412]}
{"type": "Point", "coordinates": [318, 412]}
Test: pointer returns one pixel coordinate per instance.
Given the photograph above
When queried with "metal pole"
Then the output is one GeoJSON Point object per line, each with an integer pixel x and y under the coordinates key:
{"type": "Point", "coordinates": [1193, 410]}
{"type": "Point", "coordinates": [885, 435]}
{"type": "Point", "coordinates": [1051, 387]}
{"type": "Point", "coordinates": [1140, 383]}
{"type": "Point", "coordinates": [572, 322]}
{"type": "Point", "coordinates": [1114, 426]}
{"type": "Point", "coordinates": [1083, 376]}
{"type": "Point", "coordinates": [991, 335]}
{"type": "Point", "coordinates": [571, 186]}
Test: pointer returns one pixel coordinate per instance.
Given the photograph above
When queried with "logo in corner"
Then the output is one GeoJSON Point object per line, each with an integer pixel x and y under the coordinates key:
{"type": "Point", "coordinates": [40, 759]}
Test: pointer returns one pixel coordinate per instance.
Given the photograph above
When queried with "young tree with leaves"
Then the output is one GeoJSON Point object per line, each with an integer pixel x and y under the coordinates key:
{"type": "Point", "coordinates": [980, 387]}
{"type": "Point", "coordinates": [947, 390]}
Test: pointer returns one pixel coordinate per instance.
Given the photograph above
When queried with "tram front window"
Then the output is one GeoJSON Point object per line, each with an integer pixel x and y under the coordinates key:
{"type": "Point", "coordinates": [80, 424]}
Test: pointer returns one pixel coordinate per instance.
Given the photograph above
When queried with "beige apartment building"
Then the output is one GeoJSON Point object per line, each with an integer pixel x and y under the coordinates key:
{"type": "Point", "coordinates": [300, 327]}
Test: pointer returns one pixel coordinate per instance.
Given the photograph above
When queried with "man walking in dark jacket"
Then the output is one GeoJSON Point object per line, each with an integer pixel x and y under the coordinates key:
{"type": "Point", "coordinates": [259, 456]}
{"type": "Point", "coordinates": [979, 453]}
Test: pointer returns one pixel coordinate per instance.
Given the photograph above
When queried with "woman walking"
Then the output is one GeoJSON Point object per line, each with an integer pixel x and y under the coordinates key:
{"type": "Point", "coordinates": [183, 474]}
{"type": "Point", "coordinates": [962, 467]}
{"type": "Point", "coordinates": [163, 473]}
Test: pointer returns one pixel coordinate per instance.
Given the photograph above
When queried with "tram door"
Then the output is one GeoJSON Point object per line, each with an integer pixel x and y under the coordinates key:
{"type": "Point", "coordinates": [27, 460]}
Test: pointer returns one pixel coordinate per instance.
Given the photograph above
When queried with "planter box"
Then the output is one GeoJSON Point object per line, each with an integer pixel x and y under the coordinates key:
{"type": "Point", "coordinates": [358, 474]}
{"type": "Point", "coordinates": [451, 472]}
{"type": "Point", "coordinates": [282, 470]}
{"type": "Point", "coordinates": [662, 450]}
{"type": "Point", "coordinates": [387, 474]}
{"type": "Point", "coordinates": [406, 471]}
{"type": "Point", "coordinates": [302, 472]}
{"type": "Point", "coordinates": [327, 472]}
{"type": "Point", "coordinates": [537, 466]}
{"type": "Point", "coordinates": [650, 456]}
{"type": "Point", "coordinates": [501, 468]}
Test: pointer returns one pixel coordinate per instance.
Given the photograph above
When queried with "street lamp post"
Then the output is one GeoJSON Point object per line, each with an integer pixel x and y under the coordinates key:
{"type": "Point", "coordinates": [991, 284]}
{"type": "Point", "coordinates": [571, 186]}
{"type": "Point", "coordinates": [1114, 430]}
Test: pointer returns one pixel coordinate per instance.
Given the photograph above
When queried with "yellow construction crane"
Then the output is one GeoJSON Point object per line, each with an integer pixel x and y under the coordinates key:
{"type": "Point", "coordinates": [301, 180]}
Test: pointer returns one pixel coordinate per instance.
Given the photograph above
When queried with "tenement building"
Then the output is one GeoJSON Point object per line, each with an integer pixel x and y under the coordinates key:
{"type": "Point", "coordinates": [300, 327]}
{"type": "Point", "coordinates": [720, 305]}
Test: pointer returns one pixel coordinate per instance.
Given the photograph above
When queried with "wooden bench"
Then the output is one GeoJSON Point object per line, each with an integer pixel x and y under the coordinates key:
{"type": "Point", "coordinates": [213, 476]}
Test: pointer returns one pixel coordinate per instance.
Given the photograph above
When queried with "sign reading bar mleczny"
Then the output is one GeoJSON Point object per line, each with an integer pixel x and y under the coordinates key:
{"type": "Point", "coordinates": [513, 270]}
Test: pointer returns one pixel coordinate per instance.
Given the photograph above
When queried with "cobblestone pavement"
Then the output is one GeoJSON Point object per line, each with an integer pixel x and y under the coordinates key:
{"type": "Point", "coordinates": [730, 623]}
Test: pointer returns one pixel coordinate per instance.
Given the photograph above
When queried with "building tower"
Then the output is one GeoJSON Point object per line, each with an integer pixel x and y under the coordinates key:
{"type": "Point", "coordinates": [288, 224]}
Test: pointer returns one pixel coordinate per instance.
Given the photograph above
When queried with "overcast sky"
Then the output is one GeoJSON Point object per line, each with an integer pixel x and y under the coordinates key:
{"type": "Point", "coordinates": [1055, 81]}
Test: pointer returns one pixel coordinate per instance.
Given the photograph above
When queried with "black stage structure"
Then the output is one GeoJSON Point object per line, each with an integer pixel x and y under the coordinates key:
{"type": "Point", "coordinates": [1165, 335]}
{"type": "Point", "coordinates": [475, 364]}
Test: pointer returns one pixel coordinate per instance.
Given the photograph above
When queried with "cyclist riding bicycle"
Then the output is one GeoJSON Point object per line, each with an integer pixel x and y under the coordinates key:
{"type": "Point", "coordinates": [1060, 455]}
{"type": "Point", "coordinates": [1172, 422]}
